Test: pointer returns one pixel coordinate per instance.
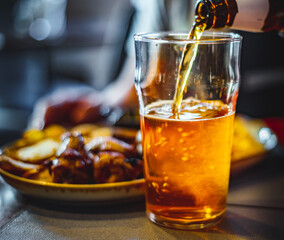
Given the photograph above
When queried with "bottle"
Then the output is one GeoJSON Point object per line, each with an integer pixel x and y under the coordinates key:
{"type": "Point", "coordinates": [247, 15]}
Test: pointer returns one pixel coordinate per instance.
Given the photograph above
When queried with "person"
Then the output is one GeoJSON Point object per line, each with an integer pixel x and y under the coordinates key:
{"type": "Point", "coordinates": [71, 106]}
{"type": "Point", "coordinates": [74, 105]}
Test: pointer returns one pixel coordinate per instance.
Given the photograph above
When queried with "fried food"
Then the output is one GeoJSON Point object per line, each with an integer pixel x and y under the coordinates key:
{"type": "Point", "coordinates": [41, 150]}
{"type": "Point", "coordinates": [18, 167]}
{"type": "Point", "coordinates": [85, 154]}
{"type": "Point", "coordinates": [73, 164]}
{"type": "Point", "coordinates": [111, 144]}
{"type": "Point", "coordinates": [114, 167]}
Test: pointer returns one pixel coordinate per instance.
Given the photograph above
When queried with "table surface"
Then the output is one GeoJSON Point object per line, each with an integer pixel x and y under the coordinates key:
{"type": "Point", "coordinates": [255, 210]}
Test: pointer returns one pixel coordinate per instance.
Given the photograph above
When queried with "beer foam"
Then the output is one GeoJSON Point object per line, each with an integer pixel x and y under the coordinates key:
{"type": "Point", "coordinates": [191, 110]}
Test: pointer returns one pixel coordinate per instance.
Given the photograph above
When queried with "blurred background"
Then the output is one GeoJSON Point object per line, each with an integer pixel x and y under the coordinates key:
{"type": "Point", "coordinates": [46, 44]}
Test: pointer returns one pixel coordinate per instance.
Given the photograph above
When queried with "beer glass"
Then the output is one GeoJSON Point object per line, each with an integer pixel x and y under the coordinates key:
{"type": "Point", "coordinates": [187, 153]}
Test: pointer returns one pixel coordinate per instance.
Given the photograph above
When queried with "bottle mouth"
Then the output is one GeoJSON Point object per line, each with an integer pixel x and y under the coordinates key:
{"type": "Point", "coordinates": [203, 14]}
{"type": "Point", "coordinates": [202, 11]}
{"type": "Point", "coordinates": [208, 37]}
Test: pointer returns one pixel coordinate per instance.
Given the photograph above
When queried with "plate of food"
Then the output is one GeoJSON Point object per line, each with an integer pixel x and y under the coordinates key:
{"type": "Point", "coordinates": [252, 141]}
{"type": "Point", "coordinates": [98, 164]}
{"type": "Point", "coordinates": [87, 163]}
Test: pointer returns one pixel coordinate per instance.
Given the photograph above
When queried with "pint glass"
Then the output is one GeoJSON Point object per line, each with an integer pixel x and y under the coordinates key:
{"type": "Point", "coordinates": [187, 154]}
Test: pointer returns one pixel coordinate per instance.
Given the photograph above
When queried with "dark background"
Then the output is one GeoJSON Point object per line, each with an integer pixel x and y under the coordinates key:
{"type": "Point", "coordinates": [82, 42]}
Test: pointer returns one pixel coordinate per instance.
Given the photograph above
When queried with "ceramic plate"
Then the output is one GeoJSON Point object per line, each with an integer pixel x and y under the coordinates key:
{"type": "Point", "coordinates": [78, 193]}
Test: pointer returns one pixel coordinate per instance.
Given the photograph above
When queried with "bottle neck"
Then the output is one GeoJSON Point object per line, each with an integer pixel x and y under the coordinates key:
{"type": "Point", "coordinates": [216, 13]}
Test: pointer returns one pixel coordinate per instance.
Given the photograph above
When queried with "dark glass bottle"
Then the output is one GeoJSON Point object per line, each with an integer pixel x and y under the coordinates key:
{"type": "Point", "coordinates": [248, 15]}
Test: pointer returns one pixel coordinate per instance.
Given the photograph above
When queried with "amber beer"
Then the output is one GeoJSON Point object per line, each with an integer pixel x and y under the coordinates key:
{"type": "Point", "coordinates": [187, 161]}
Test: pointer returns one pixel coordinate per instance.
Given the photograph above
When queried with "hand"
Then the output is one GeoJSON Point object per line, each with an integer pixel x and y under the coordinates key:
{"type": "Point", "coordinates": [67, 107]}
{"type": "Point", "coordinates": [79, 105]}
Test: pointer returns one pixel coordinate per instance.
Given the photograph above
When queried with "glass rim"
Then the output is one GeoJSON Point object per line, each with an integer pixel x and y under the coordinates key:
{"type": "Point", "coordinates": [159, 37]}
